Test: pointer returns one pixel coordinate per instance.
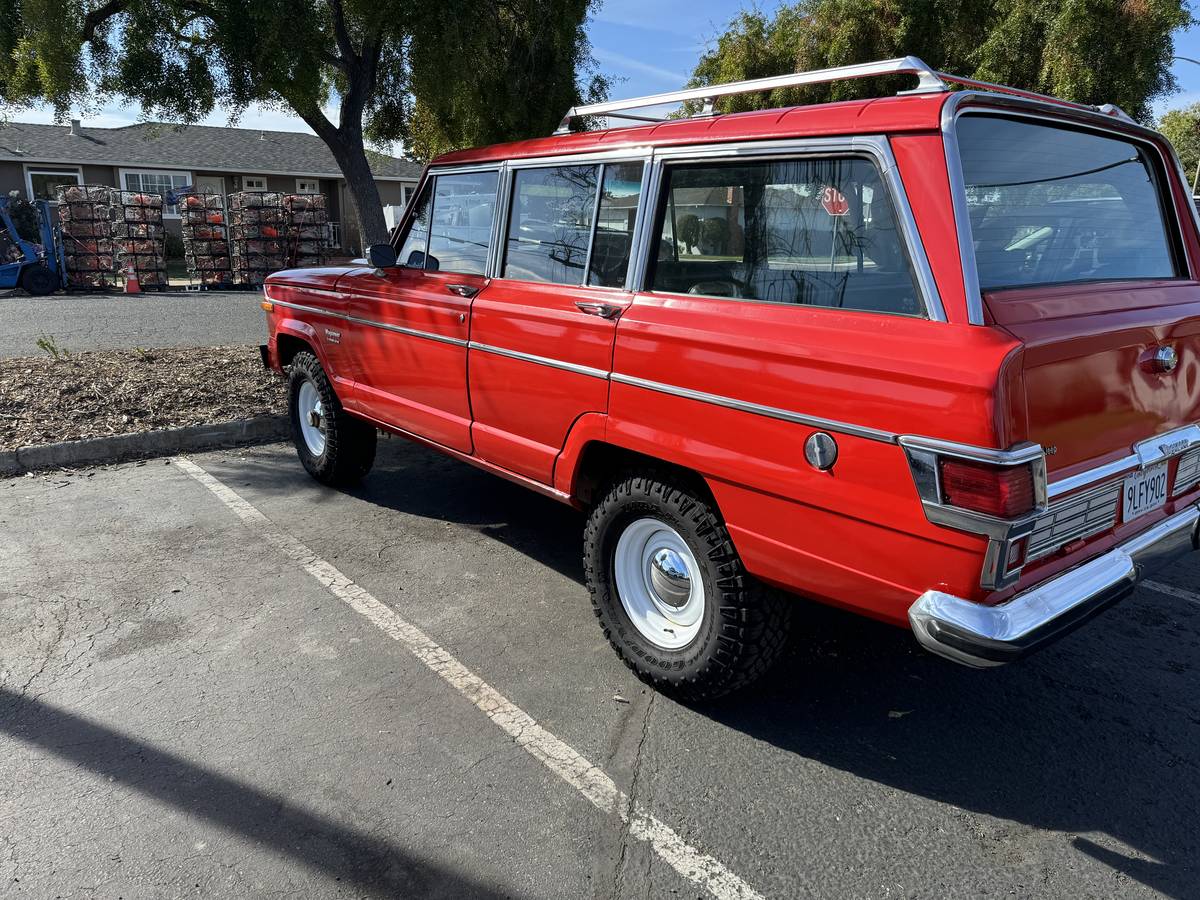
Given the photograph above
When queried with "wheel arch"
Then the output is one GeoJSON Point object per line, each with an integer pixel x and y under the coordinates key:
{"type": "Point", "coordinates": [293, 336]}
{"type": "Point", "coordinates": [599, 462]}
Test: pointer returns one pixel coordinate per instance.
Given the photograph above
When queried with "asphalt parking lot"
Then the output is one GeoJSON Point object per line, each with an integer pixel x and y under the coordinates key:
{"type": "Point", "coordinates": [219, 678]}
{"type": "Point", "coordinates": [79, 322]}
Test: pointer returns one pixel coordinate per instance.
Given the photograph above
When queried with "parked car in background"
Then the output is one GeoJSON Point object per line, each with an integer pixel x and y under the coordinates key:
{"type": "Point", "coordinates": [934, 358]}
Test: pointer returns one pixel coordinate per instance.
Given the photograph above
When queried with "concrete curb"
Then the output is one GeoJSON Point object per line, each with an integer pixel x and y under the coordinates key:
{"type": "Point", "coordinates": [259, 430]}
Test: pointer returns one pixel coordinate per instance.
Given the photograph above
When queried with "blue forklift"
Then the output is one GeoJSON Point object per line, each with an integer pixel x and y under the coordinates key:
{"type": "Point", "coordinates": [38, 268]}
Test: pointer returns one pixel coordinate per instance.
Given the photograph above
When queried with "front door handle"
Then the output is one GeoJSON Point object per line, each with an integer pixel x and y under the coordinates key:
{"type": "Point", "coordinates": [463, 290]}
{"type": "Point", "coordinates": [598, 308]}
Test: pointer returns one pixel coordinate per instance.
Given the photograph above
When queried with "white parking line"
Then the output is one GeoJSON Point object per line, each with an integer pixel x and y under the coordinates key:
{"type": "Point", "coordinates": [554, 754]}
{"type": "Point", "coordinates": [1172, 591]}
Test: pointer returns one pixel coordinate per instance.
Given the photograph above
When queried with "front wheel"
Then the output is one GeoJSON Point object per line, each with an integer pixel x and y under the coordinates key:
{"type": "Point", "coordinates": [334, 447]}
{"type": "Point", "coordinates": [39, 280]}
{"type": "Point", "coordinates": [671, 593]}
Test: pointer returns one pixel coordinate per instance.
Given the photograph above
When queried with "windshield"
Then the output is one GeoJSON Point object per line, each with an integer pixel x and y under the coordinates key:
{"type": "Point", "coordinates": [1053, 205]}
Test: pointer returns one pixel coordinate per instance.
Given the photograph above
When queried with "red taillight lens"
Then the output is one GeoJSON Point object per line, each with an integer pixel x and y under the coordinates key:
{"type": "Point", "coordinates": [1002, 491]}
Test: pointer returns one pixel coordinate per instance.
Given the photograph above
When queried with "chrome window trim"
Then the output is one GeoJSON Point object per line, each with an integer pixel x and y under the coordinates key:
{"type": "Point", "coordinates": [875, 147]}
{"type": "Point", "coordinates": [540, 360]}
{"type": "Point", "coordinates": [465, 169]}
{"type": "Point", "coordinates": [621, 154]}
{"type": "Point", "coordinates": [981, 103]}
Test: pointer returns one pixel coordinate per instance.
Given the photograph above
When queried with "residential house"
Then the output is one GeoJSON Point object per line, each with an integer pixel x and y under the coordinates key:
{"type": "Point", "coordinates": [35, 159]}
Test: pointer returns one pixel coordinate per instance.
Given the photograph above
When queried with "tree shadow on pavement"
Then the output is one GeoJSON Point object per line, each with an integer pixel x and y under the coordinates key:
{"type": "Point", "coordinates": [1096, 734]}
{"type": "Point", "coordinates": [370, 864]}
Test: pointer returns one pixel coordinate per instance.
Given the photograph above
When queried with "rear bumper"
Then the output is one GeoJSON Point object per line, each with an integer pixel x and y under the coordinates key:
{"type": "Point", "coordinates": [983, 636]}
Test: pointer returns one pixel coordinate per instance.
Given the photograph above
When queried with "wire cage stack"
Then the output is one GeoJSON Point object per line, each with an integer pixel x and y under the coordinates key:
{"type": "Point", "coordinates": [206, 248]}
{"type": "Point", "coordinates": [85, 213]}
{"type": "Point", "coordinates": [257, 235]}
{"type": "Point", "coordinates": [139, 239]}
{"type": "Point", "coordinates": [308, 229]}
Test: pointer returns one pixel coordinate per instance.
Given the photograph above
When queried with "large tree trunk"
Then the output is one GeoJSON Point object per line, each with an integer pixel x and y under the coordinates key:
{"type": "Point", "coordinates": [351, 157]}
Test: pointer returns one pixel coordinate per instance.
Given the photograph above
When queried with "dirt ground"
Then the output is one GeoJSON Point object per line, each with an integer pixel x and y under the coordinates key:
{"type": "Point", "coordinates": [67, 396]}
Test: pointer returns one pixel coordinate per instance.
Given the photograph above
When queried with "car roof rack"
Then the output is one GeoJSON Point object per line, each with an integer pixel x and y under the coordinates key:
{"type": "Point", "coordinates": [929, 80]}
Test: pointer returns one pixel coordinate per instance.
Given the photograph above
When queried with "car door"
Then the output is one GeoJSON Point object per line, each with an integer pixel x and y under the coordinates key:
{"type": "Point", "coordinates": [542, 333]}
{"type": "Point", "coordinates": [411, 322]}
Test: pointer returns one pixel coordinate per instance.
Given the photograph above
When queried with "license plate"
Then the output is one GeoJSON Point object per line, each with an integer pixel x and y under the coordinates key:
{"type": "Point", "coordinates": [1145, 491]}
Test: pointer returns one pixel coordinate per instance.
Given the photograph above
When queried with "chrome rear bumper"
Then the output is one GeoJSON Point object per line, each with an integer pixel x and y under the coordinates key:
{"type": "Point", "coordinates": [982, 636]}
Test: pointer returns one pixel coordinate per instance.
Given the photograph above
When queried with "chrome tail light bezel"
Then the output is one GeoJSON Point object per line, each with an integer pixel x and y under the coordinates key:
{"type": "Point", "coordinates": [924, 456]}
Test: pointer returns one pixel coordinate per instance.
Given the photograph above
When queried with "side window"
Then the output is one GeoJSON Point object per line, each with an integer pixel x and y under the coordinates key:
{"type": "Point", "coordinates": [461, 226]}
{"type": "Point", "coordinates": [550, 224]}
{"type": "Point", "coordinates": [416, 242]}
{"type": "Point", "coordinates": [613, 242]}
{"type": "Point", "coordinates": [812, 232]}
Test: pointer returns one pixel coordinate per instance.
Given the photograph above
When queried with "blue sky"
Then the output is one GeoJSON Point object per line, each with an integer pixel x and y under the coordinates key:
{"type": "Point", "coordinates": [647, 47]}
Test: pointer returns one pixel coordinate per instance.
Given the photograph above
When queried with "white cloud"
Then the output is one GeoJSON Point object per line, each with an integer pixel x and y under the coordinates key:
{"type": "Point", "coordinates": [676, 79]}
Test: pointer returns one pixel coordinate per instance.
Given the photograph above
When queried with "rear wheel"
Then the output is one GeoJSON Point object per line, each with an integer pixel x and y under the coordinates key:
{"type": "Point", "coordinates": [334, 447]}
{"type": "Point", "coordinates": [39, 280]}
{"type": "Point", "coordinates": [671, 593]}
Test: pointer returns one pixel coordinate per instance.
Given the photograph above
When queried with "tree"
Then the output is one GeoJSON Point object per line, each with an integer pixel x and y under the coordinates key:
{"type": "Point", "coordinates": [689, 231]}
{"type": "Point", "coordinates": [1182, 128]}
{"type": "Point", "coordinates": [436, 74]}
{"type": "Point", "coordinates": [1089, 51]}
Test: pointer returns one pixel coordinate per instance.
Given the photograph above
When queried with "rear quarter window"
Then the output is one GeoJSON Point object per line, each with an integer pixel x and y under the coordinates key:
{"type": "Point", "coordinates": [1056, 205]}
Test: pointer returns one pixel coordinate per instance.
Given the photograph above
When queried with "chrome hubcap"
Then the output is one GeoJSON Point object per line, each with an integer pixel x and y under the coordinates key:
{"type": "Point", "coordinates": [658, 581]}
{"type": "Point", "coordinates": [312, 418]}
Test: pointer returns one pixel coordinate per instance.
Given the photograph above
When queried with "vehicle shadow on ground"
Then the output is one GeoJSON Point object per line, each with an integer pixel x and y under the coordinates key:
{"type": "Point", "coordinates": [368, 864]}
{"type": "Point", "coordinates": [1097, 734]}
{"type": "Point", "coordinates": [416, 481]}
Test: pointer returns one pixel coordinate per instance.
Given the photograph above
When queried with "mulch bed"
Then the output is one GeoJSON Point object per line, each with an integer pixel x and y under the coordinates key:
{"type": "Point", "coordinates": [48, 399]}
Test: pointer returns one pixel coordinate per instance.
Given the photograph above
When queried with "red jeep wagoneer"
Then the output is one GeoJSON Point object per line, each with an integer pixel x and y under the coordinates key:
{"type": "Point", "coordinates": [932, 357]}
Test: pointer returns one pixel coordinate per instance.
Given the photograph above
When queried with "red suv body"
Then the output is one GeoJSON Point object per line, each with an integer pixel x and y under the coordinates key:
{"type": "Point", "coordinates": [934, 358]}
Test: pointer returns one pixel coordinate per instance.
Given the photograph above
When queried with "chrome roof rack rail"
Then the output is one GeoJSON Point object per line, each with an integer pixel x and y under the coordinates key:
{"type": "Point", "coordinates": [928, 80]}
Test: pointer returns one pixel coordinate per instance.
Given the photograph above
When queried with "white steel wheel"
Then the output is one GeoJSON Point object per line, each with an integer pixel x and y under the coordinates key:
{"type": "Point", "coordinates": [659, 584]}
{"type": "Point", "coordinates": [311, 414]}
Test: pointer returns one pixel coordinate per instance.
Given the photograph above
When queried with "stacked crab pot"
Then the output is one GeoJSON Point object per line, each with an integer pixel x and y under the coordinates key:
{"type": "Point", "coordinates": [85, 211]}
{"type": "Point", "coordinates": [206, 238]}
{"type": "Point", "coordinates": [139, 239]}
{"type": "Point", "coordinates": [257, 235]}
{"type": "Point", "coordinates": [308, 228]}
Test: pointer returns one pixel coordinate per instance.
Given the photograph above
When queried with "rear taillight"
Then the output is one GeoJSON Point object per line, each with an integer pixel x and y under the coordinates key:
{"type": "Point", "coordinates": [1005, 492]}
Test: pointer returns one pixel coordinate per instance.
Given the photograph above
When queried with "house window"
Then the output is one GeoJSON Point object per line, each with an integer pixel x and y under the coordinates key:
{"type": "Point", "coordinates": [154, 182]}
{"type": "Point", "coordinates": [254, 182]}
{"type": "Point", "coordinates": [43, 184]}
{"type": "Point", "coordinates": [308, 186]}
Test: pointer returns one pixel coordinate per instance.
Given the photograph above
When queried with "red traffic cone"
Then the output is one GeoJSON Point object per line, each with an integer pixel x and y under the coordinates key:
{"type": "Point", "coordinates": [131, 280]}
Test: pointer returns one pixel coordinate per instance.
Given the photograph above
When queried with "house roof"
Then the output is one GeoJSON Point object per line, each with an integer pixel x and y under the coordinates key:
{"type": "Point", "coordinates": [194, 147]}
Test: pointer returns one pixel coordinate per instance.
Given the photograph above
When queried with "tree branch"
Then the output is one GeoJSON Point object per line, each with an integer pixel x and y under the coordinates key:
{"type": "Point", "coordinates": [101, 14]}
{"type": "Point", "coordinates": [341, 34]}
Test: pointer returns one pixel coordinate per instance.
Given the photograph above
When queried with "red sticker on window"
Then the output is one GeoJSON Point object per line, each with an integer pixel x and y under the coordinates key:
{"type": "Point", "coordinates": [834, 201]}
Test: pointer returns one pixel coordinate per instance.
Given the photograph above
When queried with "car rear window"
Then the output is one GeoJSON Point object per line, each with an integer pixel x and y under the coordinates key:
{"type": "Point", "coordinates": [1054, 205]}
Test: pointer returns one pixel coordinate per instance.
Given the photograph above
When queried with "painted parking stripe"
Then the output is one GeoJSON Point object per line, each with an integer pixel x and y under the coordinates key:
{"type": "Point", "coordinates": [588, 779]}
{"type": "Point", "coordinates": [1172, 591]}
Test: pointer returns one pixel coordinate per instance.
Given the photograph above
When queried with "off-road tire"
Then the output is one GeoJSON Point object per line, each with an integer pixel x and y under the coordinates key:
{"type": "Point", "coordinates": [745, 624]}
{"type": "Point", "coordinates": [39, 280]}
{"type": "Point", "coordinates": [349, 442]}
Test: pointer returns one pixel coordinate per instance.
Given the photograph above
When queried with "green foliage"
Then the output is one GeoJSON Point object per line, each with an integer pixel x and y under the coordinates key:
{"type": "Point", "coordinates": [1089, 51]}
{"type": "Point", "coordinates": [437, 75]}
{"type": "Point", "coordinates": [1182, 128]}
{"type": "Point", "coordinates": [48, 345]}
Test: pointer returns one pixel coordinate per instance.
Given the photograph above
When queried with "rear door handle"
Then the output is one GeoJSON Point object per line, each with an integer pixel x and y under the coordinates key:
{"type": "Point", "coordinates": [597, 308]}
{"type": "Point", "coordinates": [463, 290]}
